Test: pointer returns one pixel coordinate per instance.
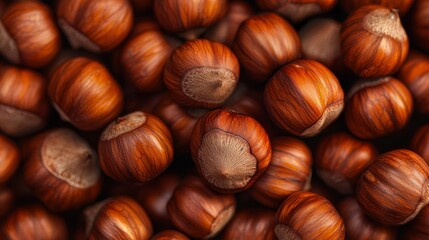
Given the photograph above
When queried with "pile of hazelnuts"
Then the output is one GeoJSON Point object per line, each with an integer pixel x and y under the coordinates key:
{"type": "Point", "coordinates": [224, 119]}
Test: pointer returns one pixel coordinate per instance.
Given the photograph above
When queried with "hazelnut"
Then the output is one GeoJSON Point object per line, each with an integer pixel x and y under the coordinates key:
{"type": "Point", "coordinates": [189, 19]}
{"type": "Point", "coordinates": [135, 148]}
{"type": "Point", "coordinates": [359, 226]}
{"type": "Point", "coordinates": [264, 43]}
{"type": "Point", "coordinates": [169, 235]}
{"type": "Point", "coordinates": [297, 10]}
{"type": "Point", "coordinates": [288, 172]}
{"type": "Point", "coordinates": [97, 26]}
{"type": "Point", "coordinates": [85, 94]}
{"type": "Point", "coordinates": [340, 160]}
{"type": "Point", "coordinates": [31, 222]}
{"type": "Point", "coordinates": [420, 142]}
{"type": "Point", "coordinates": [305, 216]}
{"type": "Point", "coordinates": [117, 218]}
{"type": "Point", "coordinates": [418, 229]}
{"type": "Point", "coordinates": [143, 58]}
{"type": "Point", "coordinates": [198, 211]}
{"type": "Point", "coordinates": [377, 108]}
{"type": "Point", "coordinates": [28, 34]}
{"type": "Point", "coordinates": [303, 98]}
{"type": "Point", "coordinates": [225, 30]}
{"type": "Point", "coordinates": [230, 150]}
{"type": "Point", "coordinates": [62, 170]}
{"type": "Point", "coordinates": [256, 224]}
{"type": "Point", "coordinates": [373, 42]}
{"type": "Point", "coordinates": [201, 73]}
{"type": "Point", "coordinates": [419, 24]}
{"type": "Point", "coordinates": [394, 187]}
{"type": "Point", "coordinates": [401, 5]}
{"type": "Point", "coordinates": [9, 159]}
{"type": "Point", "coordinates": [24, 106]}
{"type": "Point", "coordinates": [415, 74]}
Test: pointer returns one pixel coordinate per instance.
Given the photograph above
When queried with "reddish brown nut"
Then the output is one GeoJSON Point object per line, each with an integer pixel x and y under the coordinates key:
{"type": "Point", "coordinates": [28, 33]}
{"type": "Point", "coordinates": [373, 42]}
{"type": "Point", "coordinates": [117, 218]}
{"type": "Point", "coordinates": [226, 29]}
{"type": "Point", "coordinates": [419, 24]}
{"type": "Point", "coordinates": [191, 18]}
{"type": "Point", "coordinates": [418, 229]}
{"type": "Point", "coordinates": [401, 5]}
{"type": "Point", "coordinates": [201, 73]}
{"type": "Point", "coordinates": [394, 187]}
{"type": "Point", "coordinates": [32, 222]}
{"type": "Point", "coordinates": [341, 159]}
{"type": "Point", "coordinates": [305, 216]}
{"type": "Point", "coordinates": [377, 108]}
{"type": "Point", "coordinates": [97, 26]}
{"type": "Point", "coordinates": [198, 211]}
{"type": "Point", "coordinates": [169, 235]}
{"type": "Point", "coordinates": [85, 94]}
{"type": "Point", "coordinates": [415, 74]}
{"type": "Point", "coordinates": [62, 170]}
{"type": "Point", "coordinates": [142, 6]}
{"type": "Point", "coordinates": [24, 106]}
{"type": "Point", "coordinates": [256, 224]}
{"type": "Point", "coordinates": [420, 142]}
{"type": "Point", "coordinates": [143, 58]}
{"type": "Point", "coordinates": [303, 98]}
{"type": "Point", "coordinates": [9, 159]}
{"type": "Point", "coordinates": [264, 43]}
{"type": "Point", "coordinates": [289, 171]}
{"type": "Point", "coordinates": [230, 150]}
{"type": "Point", "coordinates": [359, 226]}
{"type": "Point", "coordinates": [297, 10]}
{"type": "Point", "coordinates": [135, 148]}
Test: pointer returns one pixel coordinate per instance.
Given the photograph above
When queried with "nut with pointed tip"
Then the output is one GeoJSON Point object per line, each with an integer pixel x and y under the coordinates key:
{"type": "Point", "coordinates": [29, 35]}
{"type": "Point", "coordinates": [169, 235]}
{"type": "Point", "coordinates": [201, 73]}
{"type": "Point", "coordinates": [306, 216]}
{"type": "Point", "coordinates": [256, 224]}
{"type": "Point", "coordinates": [289, 171]}
{"type": "Point", "coordinates": [373, 42]}
{"type": "Point", "coordinates": [402, 5]}
{"type": "Point", "coordinates": [394, 187]}
{"type": "Point", "coordinates": [191, 18]}
{"type": "Point", "coordinates": [230, 150]}
{"type": "Point", "coordinates": [135, 148]}
{"type": "Point", "coordinates": [117, 218]}
{"type": "Point", "coordinates": [340, 160]}
{"type": "Point", "coordinates": [303, 98]}
{"type": "Point", "coordinates": [32, 222]}
{"type": "Point", "coordinates": [420, 24]}
{"type": "Point", "coordinates": [198, 211]}
{"type": "Point", "coordinates": [377, 108]}
{"type": "Point", "coordinates": [62, 170]}
{"type": "Point", "coordinates": [85, 94]}
{"type": "Point", "coordinates": [359, 226]}
{"type": "Point", "coordinates": [264, 43]}
{"type": "Point", "coordinates": [297, 10]}
{"type": "Point", "coordinates": [420, 142]}
{"type": "Point", "coordinates": [24, 106]}
{"type": "Point", "coordinates": [9, 159]}
{"type": "Point", "coordinates": [96, 26]}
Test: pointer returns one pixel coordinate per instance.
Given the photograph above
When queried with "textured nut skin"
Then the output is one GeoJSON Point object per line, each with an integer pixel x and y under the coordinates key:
{"type": "Point", "coordinates": [378, 108]}
{"type": "Point", "coordinates": [257, 224]}
{"type": "Point", "coordinates": [169, 235]}
{"type": "Point", "coordinates": [189, 19]}
{"type": "Point", "coordinates": [289, 171]}
{"type": "Point", "coordinates": [402, 5]}
{"type": "Point", "coordinates": [303, 98]}
{"type": "Point", "coordinates": [373, 42]}
{"type": "Point", "coordinates": [117, 218]}
{"type": "Point", "coordinates": [420, 23]}
{"type": "Point", "coordinates": [97, 26]}
{"type": "Point", "coordinates": [415, 74]}
{"type": "Point", "coordinates": [32, 43]}
{"type": "Point", "coordinates": [265, 42]}
{"type": "Point", "coordinates": [420, 142]}
{"type": "Point", "coordinates": [207, 207]}
{"type": "Point", "coordinates": [340, 160]}
{"type": "Point", "coordinates": [305, 216]}
{"type": "Point", "coordinates": [138, 154]}
{"type": "Point", "coordinates": [31, 221]}
{"type": "Point", "coordinates": [394, 187]}
{"type": "Point", "coordinates": [9, 159]}
{"type": "Point", "coordinates": [297, 10]}
{"type": "Point", "coordinates": [85, 93]}
{"type": "Point", "coordinates": [359, 226]}
{"type": "Point", "coordinates": [418, 229]}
